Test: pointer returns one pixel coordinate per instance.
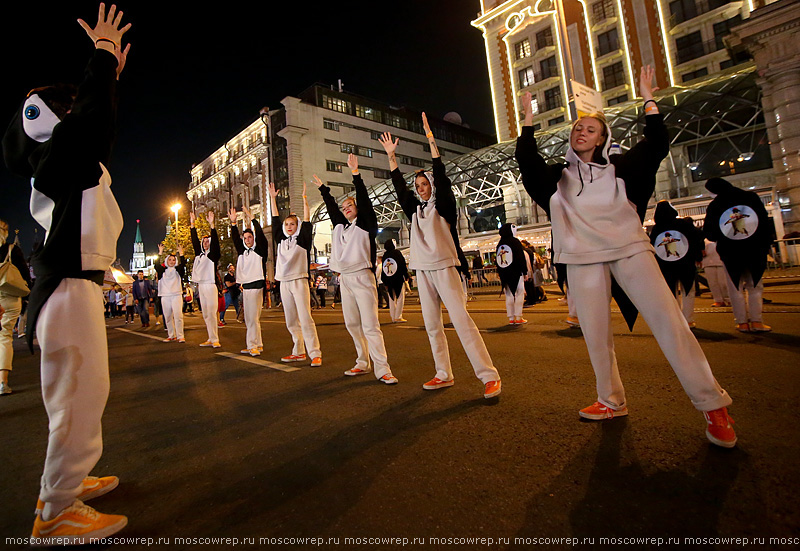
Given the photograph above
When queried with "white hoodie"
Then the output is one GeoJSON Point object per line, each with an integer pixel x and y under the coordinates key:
{"type": "Point", "coordinates": [592, 219]}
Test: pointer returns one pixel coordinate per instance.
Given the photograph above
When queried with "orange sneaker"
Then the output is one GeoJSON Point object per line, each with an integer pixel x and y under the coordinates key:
{"type": "Point", "coordinates": [357, 371]}
{"type": "Point", "coordinates": [758, 327]}
{"type": "Point", "coordinates": [717, 304]}
{"type": "Point", "coordinates": [78, 524]}
{"type": "Point", "coordinates": [169, 339]}
{"type": "Point", "coordinates": [206, 343]}
{"type": "Point", "coordinates": [216, 345]}
{"type": "Point", "coordinates": [316, 362]}
{"type": "Point", "coordinates": [491, 389]}
{"type": "Point", "coordinates": [389, 379]}
{"type": "Point", "coordinates": [254, 352]}
{"type": "Point", "coordinates": [437, 383]}
{"type": "Point", "coordinates": [720, 428]}
{"type": "Point", "coordinates": [743, 327]}
{"type": "Point", "coordinates": [572, 322]}
{"type": "Point", "coordinates": [293, 358]}
{"type": "Point", "coordinates": [598, 411]}
{"type": "Point", "coordinates": [93, 487]}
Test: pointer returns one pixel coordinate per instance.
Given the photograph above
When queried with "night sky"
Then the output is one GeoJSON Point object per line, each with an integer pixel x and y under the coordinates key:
{"type": "Point", "coordinates": [197, 76]}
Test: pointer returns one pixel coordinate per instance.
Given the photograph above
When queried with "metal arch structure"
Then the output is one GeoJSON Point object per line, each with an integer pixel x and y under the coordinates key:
{"type": "Point", "coordinates": [722, 106]}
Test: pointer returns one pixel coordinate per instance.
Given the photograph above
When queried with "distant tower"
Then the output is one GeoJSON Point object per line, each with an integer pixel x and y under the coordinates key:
{"type": "Point", "coordinates": [139, 262]}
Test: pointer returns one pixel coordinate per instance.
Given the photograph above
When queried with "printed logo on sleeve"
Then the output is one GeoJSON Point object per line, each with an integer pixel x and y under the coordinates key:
{"type": "Point", "coordinates": [739, 222]}
{"type": "Point", "coordinates": [671, 245]}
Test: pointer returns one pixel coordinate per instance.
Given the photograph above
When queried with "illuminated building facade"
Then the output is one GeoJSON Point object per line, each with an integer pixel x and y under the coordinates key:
{"type": "Point", "coordinates": [313, 133]}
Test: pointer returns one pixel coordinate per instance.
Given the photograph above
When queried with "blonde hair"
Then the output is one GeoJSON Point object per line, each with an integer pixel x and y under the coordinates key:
{"type": "Point", "coordinates": [598, 116]}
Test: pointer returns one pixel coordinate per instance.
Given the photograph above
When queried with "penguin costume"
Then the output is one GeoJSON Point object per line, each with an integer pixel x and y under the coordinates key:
{"type": "Point", "coordinates": [394, 274]}
{"type": "Point", "coordinates": [250, 274]}
{"type": "Point", "coordinates": [204, 275]}
{"type": "Point", "coordinates": [737, 221]}
{"type": "Point", "coordinates": [170, 290]}
{"type": "Point", "coordinates": [679, 247]}
{"type": "Point", "coordinates": [61, 140]}
{"type": "Point", "coordinates": [512, 269]}
{"type": "Point", "coordinates": [596, 209]}
{"type": "Point", "coordinates": [292, 270]}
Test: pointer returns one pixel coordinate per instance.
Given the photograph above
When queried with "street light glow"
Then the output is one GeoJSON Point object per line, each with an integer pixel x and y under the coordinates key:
{"type": "Point", "coordinates": [176, 207]}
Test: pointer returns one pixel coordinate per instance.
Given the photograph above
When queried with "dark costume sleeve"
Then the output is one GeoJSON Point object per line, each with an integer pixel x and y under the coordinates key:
{"type": "Point", "coordinates": [196, 246]}
{"type": "Point", "coordinates": [366, 219]}
{"type": "Point", "coordinates": [539, 179]}
{"type": "Point", "coordinates": [331, 206]}
{"type": "Point", "coordinates": [237, 240]}
{"type": "Point", "coordinates": [214, 251]}
{"type": "Point", "coordinates": [261, 243]}
{"type": "Point", "coordinates": [408, 201]}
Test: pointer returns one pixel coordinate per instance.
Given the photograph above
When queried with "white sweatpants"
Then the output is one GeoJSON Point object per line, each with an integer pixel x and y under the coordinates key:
{"type": "Point", "coordinates": [685, 300]}
{"type": "Point", "coordinates": [396, 305]}
{"type": "Point", "coordinates": [444, 286]}
{"type": "Point", "coordinates": [253, 303]}
{"type": "Point", "coordinates": [717, 277]}
{"type": "Point", "coordinates": [209, 303]}
{"type": "Point", "coordinates": [641, 279]}
{"type": "Point", "coordinates": [360, 308]}
{"type": "Point", "coordinates": [172, 307]}
{"type": "Point", "coordinates": [296, 300]}
{"type": "Point", "coordinates": [75, 384]}
{"type": "Point", "coordinates": [746, 308]}
{"type": "Point", "coordinates": [573, 313]}
{"type": "Point", "coordinates": [515, 300]}
{"type": "Point", "coordinates": [12, 307]}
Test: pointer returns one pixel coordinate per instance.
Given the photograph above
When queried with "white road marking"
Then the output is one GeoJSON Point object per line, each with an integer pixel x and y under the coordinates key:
{"type": "Point", "coordinates": [254, 360]}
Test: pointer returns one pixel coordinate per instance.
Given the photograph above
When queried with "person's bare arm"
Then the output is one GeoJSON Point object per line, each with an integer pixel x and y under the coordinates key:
{"type": "Point", "coordinates": [429, 135]}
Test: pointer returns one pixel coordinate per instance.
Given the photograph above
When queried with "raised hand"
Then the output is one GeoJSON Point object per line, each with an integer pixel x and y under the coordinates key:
{"type": "Point", "coordinates": [247, 215]}
{"type": "Point", "coordinates": [352, 162]}
{"type": "Point", "coordinates": [317, 181]}
{"type": "Point", "coordinates": [180, 249]}
{"type": "Point", "coordinates": [232, 215]}
{"type": "Point", "coordinates": [107, 33]}
{"type": "Point", "coordinates": [272, 191]}
{"type": "Point", "coordinates": [160, 249]}
{"type": "Point", "coordinates": [386, 141]}
{"type": "Point", "coordinates": [210, 218]}
{"type": "Point", "coordinates": [192, 218]}
{"type": "Point", "coordinates": [527, 107]}
{"type": "Point", "coordinates": [646, 77]}
{"type": "Point", "coordinates": [425, 125]}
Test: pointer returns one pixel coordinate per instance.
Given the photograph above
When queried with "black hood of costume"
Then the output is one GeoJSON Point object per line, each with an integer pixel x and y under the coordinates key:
{"type": "Point", "coordinates": [719, 186]}
{"type": "Point", "coordinates": [27, 137]}
{"type": "Point", "coordinates": [664, 213]}
{"type": "Point", "coordinates": [389, 245]}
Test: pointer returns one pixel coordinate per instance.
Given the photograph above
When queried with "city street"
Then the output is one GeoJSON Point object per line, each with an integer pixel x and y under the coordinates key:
{"type": "Point", "coordinates": [210, 443]}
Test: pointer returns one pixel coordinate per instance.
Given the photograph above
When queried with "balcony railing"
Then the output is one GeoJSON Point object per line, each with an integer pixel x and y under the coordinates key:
{"type": "Point", "coordinates": [697, 50]}
{"type": "Point", "coordinates": [688, 10]}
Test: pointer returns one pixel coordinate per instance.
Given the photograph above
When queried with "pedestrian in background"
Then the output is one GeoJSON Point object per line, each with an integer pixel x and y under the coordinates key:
{"type": "Point", "coordinates": [11, 292]}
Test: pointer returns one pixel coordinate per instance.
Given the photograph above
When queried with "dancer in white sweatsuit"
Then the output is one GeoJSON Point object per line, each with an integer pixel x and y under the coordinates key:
{"type": "Point", "coordinates": [353, 254]}
{"type": "Point", "coordinates": [170, 289]}
{"type": "Point", "coordinates": [436, 256]}
{"type": "Point", "coordinates": [596, 206]}
{"type": "Point", "coordinates": [293, 242]}
{"type": "Point", "coordinates": [253, 250]}
{"type": "Point", "coordinates": [204, 271]}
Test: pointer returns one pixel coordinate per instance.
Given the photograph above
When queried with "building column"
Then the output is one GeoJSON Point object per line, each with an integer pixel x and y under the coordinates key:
{"type": "Point", "coordinates": [772, 36]}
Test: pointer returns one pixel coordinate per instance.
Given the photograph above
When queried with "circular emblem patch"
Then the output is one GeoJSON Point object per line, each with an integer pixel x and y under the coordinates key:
{"type": "Point", "coordinates": [390, 267]}
{"type": "Point", "coordinates": [504, 256]}
{"type": "Point", "coordinates": [739, 222]}
{"type": "Point", "coordinates": [671, 245]}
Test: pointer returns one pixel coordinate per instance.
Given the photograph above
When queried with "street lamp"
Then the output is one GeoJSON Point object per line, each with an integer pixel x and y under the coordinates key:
{"type": "Point", "coordinates": [175, 208]}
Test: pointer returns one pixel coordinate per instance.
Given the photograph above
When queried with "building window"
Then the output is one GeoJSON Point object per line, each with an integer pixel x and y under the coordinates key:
{"type": "Point", "coordinates": [381, 173]}
{"type": "Point", "coordinates": [689, 47]}
{"type": "Point", "coordinates": [544, 38]}
{"type": "Point", "coordinates": [552, 98]}
{"type": "Point", "coordinates": [549, 67]}
{"type": "Point", "coordinates": [330, 125]}
{"type": "Point", "coordinates": [336, 104]}
{"type": "Point", "coordinates": [619, 99]}
{"type": "Point", "coordinates": [333, 166]}
{"type": "Point", "coordinates": [526, 77]}
{"type": "Point", "coordinates": [723, 29]}
{"type": "Point", "coordinates": [607, 42]}
{"type": "Point", "coordinates": [686, 77]}
{"type": "Point", "coordinates": [368, 113]}
{"type": "Point", "coordinates": [375, 135]}
{"type": "Point", "coordinates": [522, 49]}
{"type": "Point", "coordinates": [682, 10]}
{"type": "Point", "coordinates": [602, 10]}
{"type": "Point", "coordinates": [555, 121]}
{"type": "Point", "coordinates": [613, 76]}
{"type": "Point", "coordinates": [395, 120]}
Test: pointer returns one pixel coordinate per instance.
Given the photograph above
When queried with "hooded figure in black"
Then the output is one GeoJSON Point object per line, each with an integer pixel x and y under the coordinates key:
{"type": "Point", "coordinates": [510, 258]}
{"type": "Point", "coordinates": [738, 222]}
{"type": "Point", "coordinates": [679, 246]}
{"type": "Point", "coordinates": [394, 271]}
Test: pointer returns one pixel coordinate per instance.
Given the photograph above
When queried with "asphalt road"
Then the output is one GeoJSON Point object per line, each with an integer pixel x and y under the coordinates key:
{"type": "Point", "coordinates": [209, 443]}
